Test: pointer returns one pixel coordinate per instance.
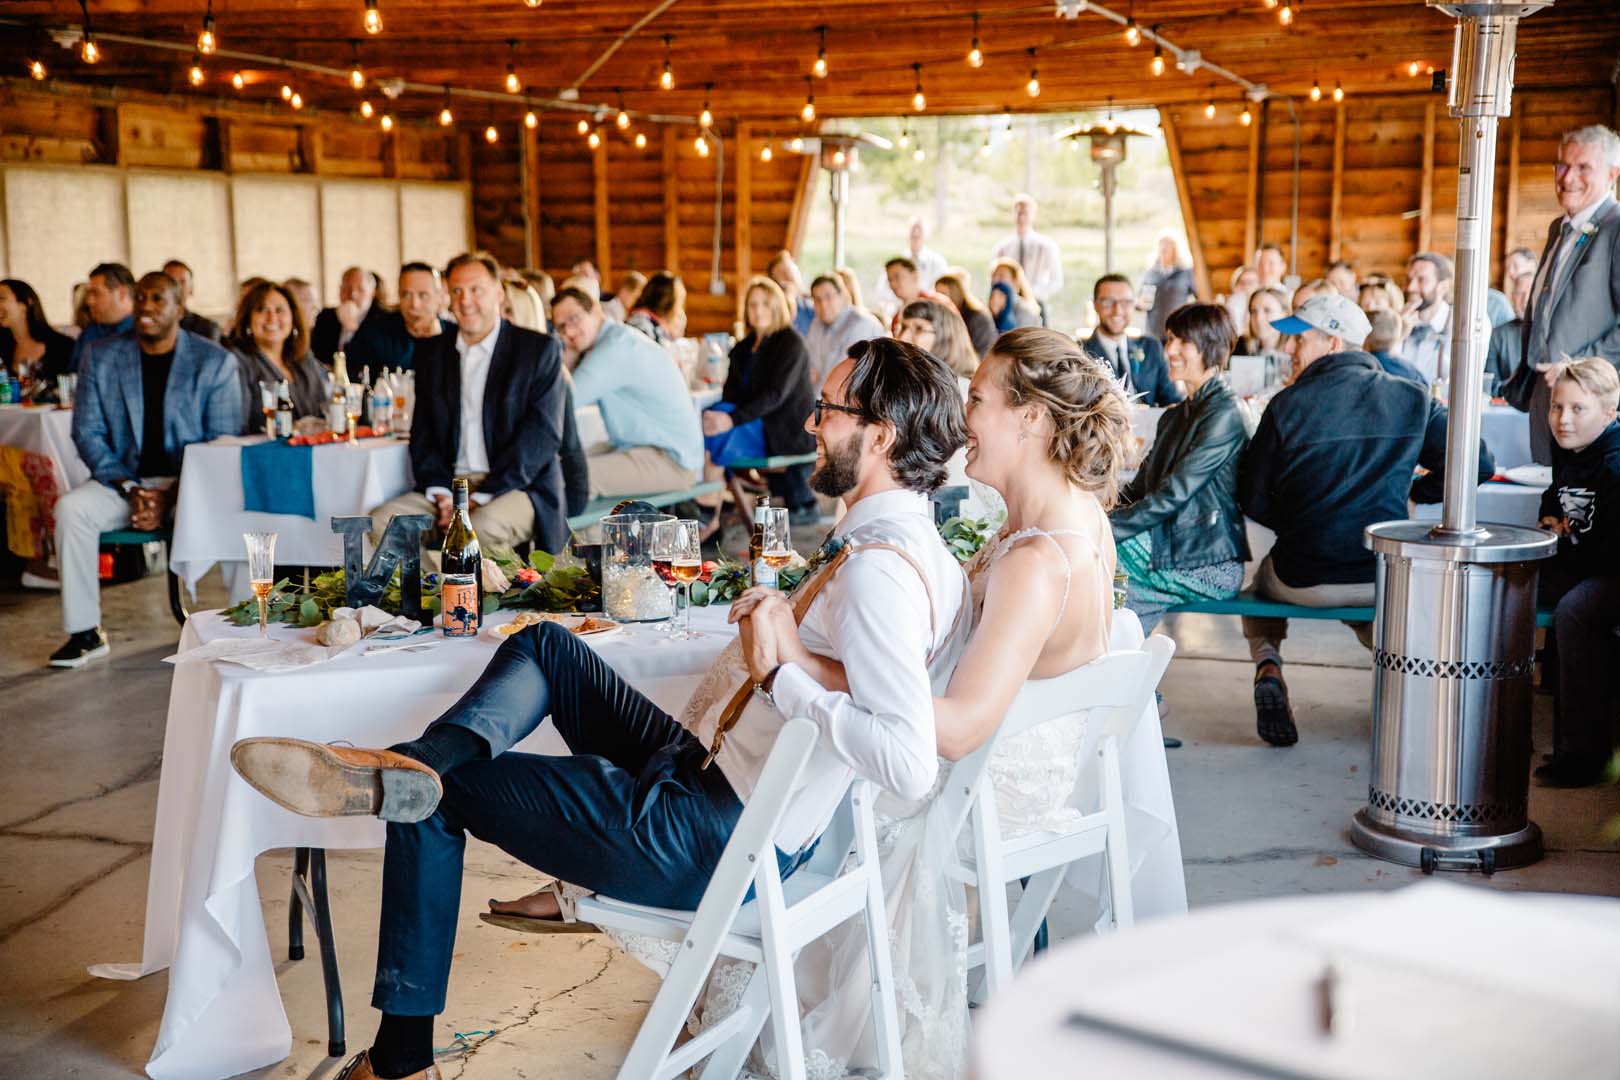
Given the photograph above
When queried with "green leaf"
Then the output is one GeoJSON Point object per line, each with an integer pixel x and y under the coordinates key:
{"type": "Point", "coordinates": [700, 594]}
{"type": "Point", "coordinates": [492, 603]}
{"type": "Point", "coordinates": [542, 561]}
{"type": "Point", "coordinates": [309, 612]}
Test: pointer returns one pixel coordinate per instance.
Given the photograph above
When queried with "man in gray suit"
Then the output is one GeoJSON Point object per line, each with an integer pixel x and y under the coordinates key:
{"type": "Point", "coordinates": [143, 397]}
{"type": "Point", "coordinates": [1575, 298]}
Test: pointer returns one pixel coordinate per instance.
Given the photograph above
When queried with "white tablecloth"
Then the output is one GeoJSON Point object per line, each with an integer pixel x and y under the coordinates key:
{"type": "Point", "coordinates": [1506, 431]}
{"type": "Point", "coordinates": [223, 1014]}
{"type": "Point", "coordinates": [1243, 974]}
{"type": "Point", "coordinates": [1505, 504]}
{"type": "Point", "coordinates": [209, 520]}
{"type": "Point", "coordinates": [49, 432]}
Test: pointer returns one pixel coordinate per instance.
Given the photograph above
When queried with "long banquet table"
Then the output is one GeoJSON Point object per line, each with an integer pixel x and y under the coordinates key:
{"type": "Point", "coordinates": [223, 1014]}
{"type": "Point", "coordinates": [38, 465]}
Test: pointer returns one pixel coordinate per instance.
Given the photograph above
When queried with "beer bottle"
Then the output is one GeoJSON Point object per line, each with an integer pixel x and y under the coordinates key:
{"type": "Point", "coordinates": [461, 578]}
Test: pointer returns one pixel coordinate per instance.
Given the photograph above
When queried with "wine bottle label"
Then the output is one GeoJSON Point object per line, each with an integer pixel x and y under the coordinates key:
{"type": "Point", "coordinates": [284, 424]}
{"type": "Point", "coordinates": [764, 573]}
{"type": "Point", "coordinates": [458, 602]}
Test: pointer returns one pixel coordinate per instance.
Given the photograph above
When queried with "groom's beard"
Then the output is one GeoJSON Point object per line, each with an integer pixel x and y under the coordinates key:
{"type": "Point", "coordinates": [841, 468]}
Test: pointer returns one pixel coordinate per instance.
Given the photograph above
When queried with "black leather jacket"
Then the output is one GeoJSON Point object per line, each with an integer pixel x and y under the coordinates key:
{"type": "Point", "coordinates": [1185, 494]}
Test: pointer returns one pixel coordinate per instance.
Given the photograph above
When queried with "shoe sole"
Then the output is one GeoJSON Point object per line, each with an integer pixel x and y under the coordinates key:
{"type": "Point", "coordinates": [529, 924]}
{"type": "Point", "coordinates": [309, 779]}
{"type": "Point", "coordinates": [80, 661]}
{"type": "Point", "coordinates": [1274, 718]}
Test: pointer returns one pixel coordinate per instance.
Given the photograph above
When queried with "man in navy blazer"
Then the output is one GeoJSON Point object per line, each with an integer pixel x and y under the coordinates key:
{"type": "Point", "coordinates": [357, 318]}
{"type": "Point", "coordinates": [143, 397]}
{"type": "Point", "coordinates": [1137, 362]}
{"type": "Point", "coordinates": [489, 407]}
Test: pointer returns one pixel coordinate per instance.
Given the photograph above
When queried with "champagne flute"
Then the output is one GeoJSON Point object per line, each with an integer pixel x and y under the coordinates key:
{"type": "Point", "coordinates": [663, 558]}
{"type": "Point", "coordinates": [354, 396]}
{"type": "Point", "coordinates": [776, 547]}
{"type": "Point", "coordinates": [686, 564]}
{"type": "Point", "coordinates": [261, 549]}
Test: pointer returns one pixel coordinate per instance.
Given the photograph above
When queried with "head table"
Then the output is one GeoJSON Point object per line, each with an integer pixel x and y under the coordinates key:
{"type": "Point", "coordinates": [223, 1014]}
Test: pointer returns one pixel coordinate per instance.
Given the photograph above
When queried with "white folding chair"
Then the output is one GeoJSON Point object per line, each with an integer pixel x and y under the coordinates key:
{"type": "Point", "coordinates": [768, 931]}
{"type": "Point", "coordinates": [1110, 694]}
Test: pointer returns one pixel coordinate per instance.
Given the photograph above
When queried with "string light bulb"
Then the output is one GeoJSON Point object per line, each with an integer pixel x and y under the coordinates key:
{"type": "Point", "coordinates": [1246, 117]}
{"type": "Point", "coordinates": [918, 102]}
{"type": "Point", "coordinates": [531, 119]}
{"type": "Point", "coordinates": [36, 70]}
{"type": "Point", "coordinates": [446, 117]}
{"type": "Point", "coordinates": [641, 140]}
{"type": "Point", "coordinates": [366, 111]}
{"type": "Point", "coordinates": [532, 3]}
{"type": "Point", "coordinates": [1338, 91]}
{"type": "Point", "coordinates": [206, 41]}
{"type": "Point", "coordinates": [491, 135]}
{"type": "Point", "coordinates": [917, 155]}
{"type": "Point", "coordinates": [387, 123]}
{"type": "Point", "coordinates": [1156, 65]}
{"type": "Point", "coordinates": [1316, 89]}
{"type": "Point", "coordinates": [297, 100]}
{"type": "Point", "coordinates": [701, 145]}
{"type": "Point", "coordinates": [237, 82]}
{"type": "Point", "coordinates": [840, 158]}
{"type": "Point", "coordinates": [1209, 109]}
{"type": "Point", "coordinates": [765, 153]}
{"type": "Point", "coordinates": [583, 127]}
{"type": "Point", "coordinates": [975, 56]}
{"type": "Point", "coordinates": [594, 140]}
{"type": "Point", "coordinates": [796, 144]}
{"type": "Point", "coordinates": [808, 113]}
{"type": "Point", "coordinates": [286, 92]}
{"type": "Point", "coordinates": [905, 138]}
{"type": "Point", "coordinates": [513, 84]}
{"type": "Point", "coordinates": [1033, 87]}
{"type": "Point", "coordinates": [196, 76]}
{"type": "Point", "coordinates": [357, 77]}
{"type": "Point", "coordinates": [373, 19]}
{"type": "Point", "coordinates": [984, 148]}
{"type": "Point", "coordinates": [1133, 33]}
{"type": "Point", "coordinates": [666, 78]}
{"type": "Point", "coordinates": [820, 66]}
{"type": "Point", "coordinates": [1285, 14]}
{"type": "Point", "coordinates": [1413, 68]}
{"type": "Point", "coordinates": [706, 118]}
{"type": "Point", "coordinates": [89, 51]}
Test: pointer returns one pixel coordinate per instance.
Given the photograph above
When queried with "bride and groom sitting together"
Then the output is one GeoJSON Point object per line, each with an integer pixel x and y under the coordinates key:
{"type": "Point", "coordinates": [878, 654]}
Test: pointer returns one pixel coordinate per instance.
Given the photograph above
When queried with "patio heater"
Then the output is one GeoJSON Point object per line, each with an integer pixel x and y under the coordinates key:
{"type": "Point", "coordinates": [1455, 631]}
{"type": "Point", "coordinates": [839, 154]}
{"type": "Point", "coordinates": [1108, 151]}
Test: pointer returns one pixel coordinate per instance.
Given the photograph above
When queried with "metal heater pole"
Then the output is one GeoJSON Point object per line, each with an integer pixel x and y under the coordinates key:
{"type": "Point", "coordinates": [839, 192]}
{"type": "Point", "coordinates": [1108, 216]}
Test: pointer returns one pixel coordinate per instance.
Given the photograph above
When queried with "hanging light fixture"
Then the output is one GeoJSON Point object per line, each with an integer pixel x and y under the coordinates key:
{"type": "Point", "coordinates": [286, 92]}
{"type": "Point", "coordinates": [623, 118]}
{"type": "Point", "coordinates": [237, 82]}
{"type": "Point", "coordinates": [1338, 91]}
{"type": "Point", "coordinates": [297, 100]}
{"type": "Point", "coordinates": [1246, 117]}
{"type": "Point", "coordinates": [701, 145]}
{"type": "Point", "coordinates": [975, 56]}
{"type": "Point", "coordinates": [513, 84]}
{"type": "Point", "coordinates": [357, 77]}
{"type": "Point", "coordinates": [840, 158]}
{"type": "Point", "coordinates": [1033, 87]}
{"type": "Point", "coordinates": [1316, 89]}
{"type": "Point", "coordinates": [387, 123]}
{"type": "Point", "coordinates": [583, 127]}
{"type": "Point", "coordinates": [446, 117]}
{"type": "Point", "coordinates": [1209, 109]}
{"type": "Point", "coordinates": [89, 51]}
{"type": "Point", "coordinates": [918, 102]}
{"type": "Point", "coordinates": [765, 153]}
{"type": "Point", "coordinates": [905, 137]}
{"type": "Point", "coordinates": [594, 139]}
{"type": "Point", "coordinates": [196, 76]}
{"type": "Point", "coordinates": [820, 66]}
{"type": "Point", "coordinates": [706, 118]}
{"type": "Point", "coordinates": [206, 42]}
{"type": "Point", "coordinates": [1133, 33]}
{"type": "Point", "coordinates": [1413, 68]}
{"type": "Point", "coordinates": [796, 144]}
{"type": "Point", "coordinates": [1285, 14]}
{"type": "Point", "coordinates": [808, 113]}
{"type": "Point", "coordinates": [373, 19]}
{"type": "Point", "coordinates": [532, 3]}
{"type": "Point", "coordinates": [917, 155]}
{"type": "Point", "coordinates": [641, 140]}
{"type": "Point", "coordinates": [531, 119]}
{"type": "Point", "coordinates": [366, 111]}
{"type": "Point", "coordinates": [491, 135]}
{"type": "Point", "coordinates": [984, 148]}
{"type": "Point", "coordinates": [666, 79]}
{"type": "Point", "coordinates": [36, 70]}
{"type": "Point", "coordinates": [1156, 65]}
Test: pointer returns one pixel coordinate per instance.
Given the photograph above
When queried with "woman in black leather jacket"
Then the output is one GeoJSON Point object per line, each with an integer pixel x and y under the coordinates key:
{"type": "Point", "coordinates": [1179, 531]}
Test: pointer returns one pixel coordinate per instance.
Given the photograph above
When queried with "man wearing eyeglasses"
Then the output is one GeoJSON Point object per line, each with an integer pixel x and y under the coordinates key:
{"type": "Point", "coordinates": [655, 436]}
{"type": "Point", "coordinates": [1137, 362]}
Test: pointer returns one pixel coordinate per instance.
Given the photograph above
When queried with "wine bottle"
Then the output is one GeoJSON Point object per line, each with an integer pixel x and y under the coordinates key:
{"type": "Point", "coordinates": [461, 577]}
{"type": "Point", "coordinates": [284, 410]}
{"type": "Point", "coordinates": [760, 571]}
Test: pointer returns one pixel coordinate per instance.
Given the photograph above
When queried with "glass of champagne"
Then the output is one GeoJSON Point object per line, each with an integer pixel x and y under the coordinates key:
{"type": "Point", "coordinates": [354, 396]}
{"type": "Point", "coordinates": [686, 564]}
{"type": "Point", "coordinates": [663, 564]}
{"type": "Point", "coordinates": [261, 549]}
{"type": "Point", "coordinates": [776, 547]}
{"type": "Point", "coordinates": [267, 406]}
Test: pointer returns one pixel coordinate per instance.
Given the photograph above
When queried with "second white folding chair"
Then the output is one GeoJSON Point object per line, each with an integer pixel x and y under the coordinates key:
{"type": "Point", "coordinates": [768, 930]}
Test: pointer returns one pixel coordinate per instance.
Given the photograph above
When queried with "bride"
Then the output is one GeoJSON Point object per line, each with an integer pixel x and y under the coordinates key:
{"type": "Point", "coordinates": [1048, 429]}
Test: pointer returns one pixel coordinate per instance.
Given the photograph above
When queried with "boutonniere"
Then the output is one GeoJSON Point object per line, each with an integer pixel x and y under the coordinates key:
{"type": "Point", "coordinates": [1589, 229]}
{"type": "Point", "coordinates": [1136, 353]}
{"type": "Point", "coordinates": [829, 547]}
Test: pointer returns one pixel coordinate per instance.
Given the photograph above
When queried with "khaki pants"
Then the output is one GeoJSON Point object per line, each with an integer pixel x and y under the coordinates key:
{"type": "Point", "coordinates": [1266, 634]}
{"type": "Point", "coordinates": [504, 522]}
{"type": "Point", "coordinates": [640, 470]}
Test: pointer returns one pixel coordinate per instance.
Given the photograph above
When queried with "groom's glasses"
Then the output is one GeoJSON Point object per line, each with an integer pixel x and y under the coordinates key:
{"type": "Point", "coordinates": [823, 405]}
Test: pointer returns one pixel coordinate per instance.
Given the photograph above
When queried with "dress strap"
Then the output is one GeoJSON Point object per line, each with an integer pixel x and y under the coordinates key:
{"type": "Point", "coordinates": [1068, 564]}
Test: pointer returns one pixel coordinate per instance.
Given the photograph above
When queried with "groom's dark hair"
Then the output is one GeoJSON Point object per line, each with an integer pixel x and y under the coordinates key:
{"type": "Point", "coordinates": [918, 395]}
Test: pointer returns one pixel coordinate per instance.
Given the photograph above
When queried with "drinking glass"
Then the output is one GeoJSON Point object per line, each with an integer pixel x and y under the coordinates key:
{"type": "Point", "coordinates": [65, 386]}
{"type": "Point", "coordinates": [354, 396]}
{"type": "Point", "coordinates": [261, 549]}
{"type": "Point", "coordinates": [663, 563]}
{"type": "Point", "coordinates": [400, 383]}
{"type": "Point", "coordinates": [267, 406]}
{"type": "Point", "coordinates": [686, 564]}
{"type": "Point", "coordinates": [776, 548]}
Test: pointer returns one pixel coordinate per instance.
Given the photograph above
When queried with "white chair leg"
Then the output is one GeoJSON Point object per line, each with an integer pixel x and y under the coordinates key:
{"type": "Point", "coordinates": [1031, 910]}
{"type": "Point", "coordinates": [727, 1062]}
{"type": "Point", "coordinates": [993, 926]}
{"type": "Point", "coordinates": [667, 1016]}
{"type": "Point", "coordinates": [786, 1031]}
{"type": "Point", "coordinates": [1121, 908]}
{"type": "Point", "coordinates": [885, 1013]}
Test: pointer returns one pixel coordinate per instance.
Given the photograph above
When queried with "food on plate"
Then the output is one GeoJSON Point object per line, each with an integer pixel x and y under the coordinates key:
{"type": "Point", "coordinates": [586, 625]}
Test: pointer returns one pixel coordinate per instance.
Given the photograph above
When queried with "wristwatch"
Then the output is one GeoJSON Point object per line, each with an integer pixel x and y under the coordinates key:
{"type": "Point", "coordinates": [764, 686]}
{"type": "Point", "coordinates": [127, 486]}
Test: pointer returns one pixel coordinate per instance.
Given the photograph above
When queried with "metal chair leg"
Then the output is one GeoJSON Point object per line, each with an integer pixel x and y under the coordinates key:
{"type": "Point", "coordinates": [310, 893]}
{"type": "Point", "coordinates": [295, 906]}
{"type": "Point", "coordinates": [177, 593]}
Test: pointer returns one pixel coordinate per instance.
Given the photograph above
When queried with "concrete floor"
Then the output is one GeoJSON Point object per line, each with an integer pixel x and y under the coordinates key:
{"type": "Point", "coordinates": [81, 780]}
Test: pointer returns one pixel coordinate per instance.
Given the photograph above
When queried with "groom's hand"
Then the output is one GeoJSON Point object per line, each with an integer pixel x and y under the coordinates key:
{"type": "Point", "coordinates": [759, 651]}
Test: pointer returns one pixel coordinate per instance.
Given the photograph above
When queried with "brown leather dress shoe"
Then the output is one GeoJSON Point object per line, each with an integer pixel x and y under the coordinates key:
{"type": "Point", "coordinates": [359, 1068]}
{"type": "Point", "coordinates": [318, 780]}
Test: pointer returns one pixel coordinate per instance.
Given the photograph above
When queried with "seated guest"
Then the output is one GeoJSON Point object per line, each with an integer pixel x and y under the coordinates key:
{"type": "Point", "coordinates": [1342, 276]}
{"type": "Point", "coordinates": [1502, 355]}
{"type": "Point", "coordinates": [1167, 284]}
{"type": "Point", "coordinates": [623, 300]}
{"type": "Point", "coordinates": [109, 297]}
{"type": "Point", "coordinates": [143, 397]}
{"type": "Point", "coordinates": [1244, 282]}
{"type": "Point", "coordinates": [271, 346]}
{"type": "Point", "coordinates": [1312, 288]}
{"type": "Point", "coordinates": [656, 441]}
{"type": "Point", "coordinates": [1025, 308]}
{"type": "Point", "coordinates": [358, 310]}
{"type": "Point", "coordinates": [1007, 311]}
{"type": "Point", "coordinates": [1382, 338]}
{"type": "Point", "coordinates": [520, 305]}
{"type": "Point", "coordinates": [1137, 362]}
{"type": "Point", "coordinates": [1335, 452]}
{"type": "Point", "coordinates": [392, 338]}
{"type": "Point", "coordinates": [660, 309]}
{"type": "Point", "coordinates": [309, 301]}
{"type": "Point", "coordinates": [489, 409]}
{"type": "Point", "coordinates": [905, 284]}
{"type": "Point", "coordinates": [1379, 293]}
{"type": "Point", "coordinates": [930, 266]}
{"type": "Point", "coordinates": [1179, 531]}
{"type": "Point", "coordinates": [839, 324]}
{"type": "Point", "coordinates": [852, 288]}
{"type": "Point", "coordinates": [940, 332]}
{"type": "Point", "coordinates": [190, 321]}
{"type": "Point", "coordinates": [30, 350]}
{"type": "Point", "coordinates": [1266, 306]}
{"type": "Point", "coordinates": [1581, 582]}
{"type": "Point", "coordinates": [1518, 292]}
{"type": "Point", "coordinates": [1427, 314]}
{"type": "Point", "coordinates": [766, 399]}
{"type": "Point", "coordinates": [981, 325]}
{"type": "Point", "coordinates": [785, 272]}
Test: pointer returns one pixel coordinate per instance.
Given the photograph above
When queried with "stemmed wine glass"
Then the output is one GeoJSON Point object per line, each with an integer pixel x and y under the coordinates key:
{"type": "Point", "coordinates": [776, 547]}
{"type": "Point", "coordinates": [663, 559]}
{"type": "Point", "coordinates": [685, 548]}
{"type": "Point", "coordinates": [261, 549]}
{"type": "Point", "coordinates": [354, 396]}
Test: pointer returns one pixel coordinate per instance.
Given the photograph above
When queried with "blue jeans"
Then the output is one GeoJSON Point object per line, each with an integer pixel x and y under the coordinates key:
{"type": "Point", "coordinates": [1584, 652]}
{"type": "Point", "coordinates": [629, 814]}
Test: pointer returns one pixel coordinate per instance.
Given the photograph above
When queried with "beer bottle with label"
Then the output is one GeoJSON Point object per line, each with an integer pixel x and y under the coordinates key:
{"type": "Point", "coordinates": [760, 571]}
{"type": "Point", "coordinates": [461, 592]}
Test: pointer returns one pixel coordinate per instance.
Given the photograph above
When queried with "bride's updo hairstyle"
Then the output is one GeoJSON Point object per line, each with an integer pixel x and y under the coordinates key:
{"type": "Point", "coordinates": [1091, 422]}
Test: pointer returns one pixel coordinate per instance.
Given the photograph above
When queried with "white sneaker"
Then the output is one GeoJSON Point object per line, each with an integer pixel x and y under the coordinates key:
{"type": "Point", "coordinates": [34, 581]}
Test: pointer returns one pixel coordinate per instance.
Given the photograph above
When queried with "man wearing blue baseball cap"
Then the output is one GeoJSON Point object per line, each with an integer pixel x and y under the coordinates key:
{"type": "Point", "coordinates": [1335, 452]}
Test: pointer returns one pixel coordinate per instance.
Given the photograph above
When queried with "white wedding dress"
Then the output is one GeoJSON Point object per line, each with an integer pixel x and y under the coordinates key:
{"type": "Point", "coordinates": [1034, 775]}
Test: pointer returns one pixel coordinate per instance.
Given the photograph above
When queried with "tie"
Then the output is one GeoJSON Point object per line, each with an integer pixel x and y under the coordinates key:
{"type": "Point", "coordinates": [1541, 312]}
{"type": "Point", "coordinates": [1022, 265]}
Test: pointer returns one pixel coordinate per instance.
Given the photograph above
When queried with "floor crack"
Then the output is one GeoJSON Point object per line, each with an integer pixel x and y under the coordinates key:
{"type": "Point", "coordinates": [55, 903]}
{"type": "Point", "coordinates": [146, 772]}
{"type": "Point", "coordinates": [527, 1018]}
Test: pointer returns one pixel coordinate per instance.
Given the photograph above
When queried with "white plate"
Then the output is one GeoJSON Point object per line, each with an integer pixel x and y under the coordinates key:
{"type": "Point", "coordinates": [493, 633]}
{"type": "Point", "coordinates": [1538, 476]}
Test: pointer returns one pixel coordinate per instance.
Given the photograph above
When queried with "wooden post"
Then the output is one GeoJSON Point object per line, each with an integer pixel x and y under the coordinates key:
{"type": "Point", "coordinates": [222, 132]}
{"type": "Point", "coordinates": [464, 157]}
{"type": "Point", "coordinates": [530, 168]}
{"type": "Point", "coordinates": [742, 231]}
{"type": "Point", "coordinates": [672, 203]}
{"type": "Point", "coordinates": [604, 246]}
{"type": "Point", "coordinates": [391, 153]}
{"type": "Point", "coordinates": [109, 129]}
{"type": "Point", "coordinates": [1426, 196]}
{"type": "Point", "coordinates": [1189, 215]}
{"type": "Point", "coordinates": [1336, 212]}
{"type": "Point", "coordinates": [799, 215]}
{"type": "Point", "coordinates": [1251, 216]}
{"type": "Point", "coordinates": [309, 149]}
{"type": "Point", "coordinates": [1510, 215]}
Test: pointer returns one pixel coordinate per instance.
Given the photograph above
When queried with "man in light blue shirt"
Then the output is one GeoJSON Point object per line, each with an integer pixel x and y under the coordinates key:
{"type": "Point", "coordinates": [657, 442]}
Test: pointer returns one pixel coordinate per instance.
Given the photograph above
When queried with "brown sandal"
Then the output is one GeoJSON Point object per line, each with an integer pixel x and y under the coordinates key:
{"type": "Point", "coordinates": [565, 922]}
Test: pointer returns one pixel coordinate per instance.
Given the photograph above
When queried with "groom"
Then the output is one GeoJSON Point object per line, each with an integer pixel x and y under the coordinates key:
{"type": "Point", "coordinates": [633, 812]}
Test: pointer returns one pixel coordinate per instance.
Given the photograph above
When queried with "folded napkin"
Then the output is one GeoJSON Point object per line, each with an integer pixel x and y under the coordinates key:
{"type": "Point", "coordinates": [259, 654]}
{"type": "Point", "coordinates": [279, 479]}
